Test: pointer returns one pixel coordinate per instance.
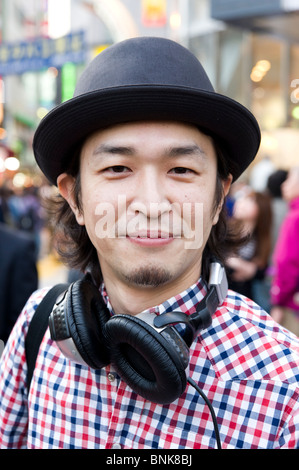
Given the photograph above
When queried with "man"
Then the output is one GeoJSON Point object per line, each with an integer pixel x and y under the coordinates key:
{"type": "Point", "coordinates": [143, 157]}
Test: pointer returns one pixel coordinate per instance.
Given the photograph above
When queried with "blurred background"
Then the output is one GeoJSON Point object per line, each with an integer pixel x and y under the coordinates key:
{"type": "Point", "coordinates": [250, 49]}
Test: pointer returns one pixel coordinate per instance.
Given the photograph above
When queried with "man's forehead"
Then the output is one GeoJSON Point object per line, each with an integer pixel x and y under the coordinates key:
{"type": "Point", "coordinates": [177, 139]}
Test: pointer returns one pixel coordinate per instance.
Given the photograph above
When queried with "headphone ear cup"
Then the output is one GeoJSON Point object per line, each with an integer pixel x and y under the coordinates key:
{"type": "Point", "coordinates": [141, 357]}
{"type": "Point", "coordinates": [87, 315]}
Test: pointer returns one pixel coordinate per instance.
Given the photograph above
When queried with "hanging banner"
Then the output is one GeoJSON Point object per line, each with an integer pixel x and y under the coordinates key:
{"type": "Point", "coordinates": [154, 13]}
{"type": "Point", "coordinates": [20, 57]}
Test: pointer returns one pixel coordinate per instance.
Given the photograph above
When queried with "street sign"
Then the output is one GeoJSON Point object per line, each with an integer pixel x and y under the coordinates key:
{"type": "Point", "coordinates": [17, 58]}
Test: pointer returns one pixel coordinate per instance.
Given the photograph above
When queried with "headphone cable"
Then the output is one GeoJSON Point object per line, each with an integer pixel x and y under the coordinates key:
{"type": "Point", "coordinates": [207, 401]}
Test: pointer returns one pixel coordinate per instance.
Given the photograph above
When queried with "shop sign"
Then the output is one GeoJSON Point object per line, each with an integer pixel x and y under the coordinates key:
{"type": "Point", "coordinates": [20, 57]}
{"type": "Point", "coordinates": [236, 9]}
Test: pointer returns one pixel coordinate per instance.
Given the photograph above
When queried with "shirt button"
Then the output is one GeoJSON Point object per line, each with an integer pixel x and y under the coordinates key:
{"type": "Point", "coordinates": [116, 445]}
{"type": "Point", "coordinates": [111, 377]}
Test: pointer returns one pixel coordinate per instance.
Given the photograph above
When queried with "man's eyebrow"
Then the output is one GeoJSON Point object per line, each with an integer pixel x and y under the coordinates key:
{"type": "Point", "coordinates": [186, 150]}
{"type": "Point", "coordinates": [113, 150]}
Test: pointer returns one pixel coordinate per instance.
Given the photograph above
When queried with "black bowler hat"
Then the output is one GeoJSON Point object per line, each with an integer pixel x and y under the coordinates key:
{"type": "Point", "coordinates": [145, 78]}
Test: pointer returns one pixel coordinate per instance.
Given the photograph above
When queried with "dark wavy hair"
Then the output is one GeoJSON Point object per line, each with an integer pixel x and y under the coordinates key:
{"type": "Point", "coordinates": [76, 250]}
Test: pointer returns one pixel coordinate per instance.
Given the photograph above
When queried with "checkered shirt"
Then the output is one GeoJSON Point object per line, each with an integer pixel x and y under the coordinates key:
{"type": "Point", "coordinates": [245, 363]}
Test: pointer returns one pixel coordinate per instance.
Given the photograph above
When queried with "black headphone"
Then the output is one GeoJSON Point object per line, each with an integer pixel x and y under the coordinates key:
{"type": "Point", "coordinates": [146, 350]}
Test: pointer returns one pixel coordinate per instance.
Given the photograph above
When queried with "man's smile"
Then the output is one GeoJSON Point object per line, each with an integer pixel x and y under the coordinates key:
{"type": "Point", "coordinates": [151, 238]}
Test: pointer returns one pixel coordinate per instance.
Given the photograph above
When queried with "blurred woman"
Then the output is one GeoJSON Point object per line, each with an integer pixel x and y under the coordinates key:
{"type": "Point", "coordinates": [253, 216]}
{"type": "Point", "coordinates": [285, 285]}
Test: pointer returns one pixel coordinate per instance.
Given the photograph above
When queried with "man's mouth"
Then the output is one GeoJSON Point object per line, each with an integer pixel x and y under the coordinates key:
{"type": "Point", "coordinates": [152, 234]}
{"type": "Point", "coordinates": [151, 238]}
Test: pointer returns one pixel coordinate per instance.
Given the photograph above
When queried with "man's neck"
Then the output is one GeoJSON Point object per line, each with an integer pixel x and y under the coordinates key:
{"type": "Point", "coordinates": [133, 300]}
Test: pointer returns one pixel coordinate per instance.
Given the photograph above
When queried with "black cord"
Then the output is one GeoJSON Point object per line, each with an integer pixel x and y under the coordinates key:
{"type": "Point", "coordinates": [191, 382]}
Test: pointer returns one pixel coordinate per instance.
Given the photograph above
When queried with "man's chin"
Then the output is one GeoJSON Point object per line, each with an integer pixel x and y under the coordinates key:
{"type": "Point", "coordinates": [149, 277]}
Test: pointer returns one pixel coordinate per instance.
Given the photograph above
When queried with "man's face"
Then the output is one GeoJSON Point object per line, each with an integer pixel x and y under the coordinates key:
{"type": "Point", "coordinates": [148, 194]}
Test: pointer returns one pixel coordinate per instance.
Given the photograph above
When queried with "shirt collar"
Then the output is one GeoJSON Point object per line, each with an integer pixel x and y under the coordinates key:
{"type": "Point", "coordinates": [185, 302]}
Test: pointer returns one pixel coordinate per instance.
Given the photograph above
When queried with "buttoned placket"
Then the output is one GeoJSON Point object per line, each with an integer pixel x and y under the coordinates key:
{"type": "Point", "coordinates": [114, 382]}
{"type": "Point", "coordinates": [117, 388]}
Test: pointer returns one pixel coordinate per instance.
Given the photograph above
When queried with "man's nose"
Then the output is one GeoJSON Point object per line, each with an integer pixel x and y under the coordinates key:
{"type": "Point", "coordinates": [151, 198]}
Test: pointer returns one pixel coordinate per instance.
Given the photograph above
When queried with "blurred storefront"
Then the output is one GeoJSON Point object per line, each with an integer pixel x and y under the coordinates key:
{"type": "Point", "coordinates": [250, 49]}
{"type": "Point", "coordinates": [257, 56]}
{"type": "Point", "coordinates": [44, 47]}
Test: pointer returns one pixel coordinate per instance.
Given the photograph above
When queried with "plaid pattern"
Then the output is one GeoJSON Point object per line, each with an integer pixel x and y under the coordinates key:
{"type": "Point", "coordinates": [246, 364]}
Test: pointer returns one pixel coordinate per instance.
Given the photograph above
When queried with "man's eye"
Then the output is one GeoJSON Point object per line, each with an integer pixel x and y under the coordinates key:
{"type": "Point", "coordinates": [180, 170]}
{"type": "Point", "coordinates": [118, 169]}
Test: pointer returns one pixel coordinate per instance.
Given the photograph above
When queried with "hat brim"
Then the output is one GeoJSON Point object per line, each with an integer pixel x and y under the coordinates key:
{"type": "Point", "coordinates": [65, 127]}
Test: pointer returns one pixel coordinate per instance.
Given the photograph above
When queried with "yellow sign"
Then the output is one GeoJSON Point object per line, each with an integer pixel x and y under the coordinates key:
{"type": "Point", "coordinates": [98, 49]}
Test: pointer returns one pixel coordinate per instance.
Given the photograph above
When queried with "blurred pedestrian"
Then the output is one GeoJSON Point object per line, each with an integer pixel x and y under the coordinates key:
{"type": "Point", "coordinates": [5, 193]}
{"type": "Point", "coordinates": [279, 204]}
{"type": "Point", "coordinates": [253, 213]}
{"type": "Point", "coordinates": [285, 285]}
{"type": "Point", "coordinates": [18, 275]}
{"type": "Point", "coordinates": [27, 213]}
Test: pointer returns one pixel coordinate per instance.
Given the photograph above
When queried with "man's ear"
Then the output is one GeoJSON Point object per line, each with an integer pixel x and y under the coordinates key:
{"type": "Point", "coordinates": [226, 184]}
{"type": "Point", "coordinates": [65, 183]}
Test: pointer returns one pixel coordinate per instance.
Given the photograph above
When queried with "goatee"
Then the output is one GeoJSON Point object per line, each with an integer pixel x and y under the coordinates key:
{"type": "Point", "coordinates": [149, 277]}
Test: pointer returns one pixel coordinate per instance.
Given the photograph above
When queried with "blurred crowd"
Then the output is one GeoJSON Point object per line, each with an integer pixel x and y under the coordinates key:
{"type": "Point", "coordinates": [265, 209]}
{"type": "Point", "coordinates": [266, 268]}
